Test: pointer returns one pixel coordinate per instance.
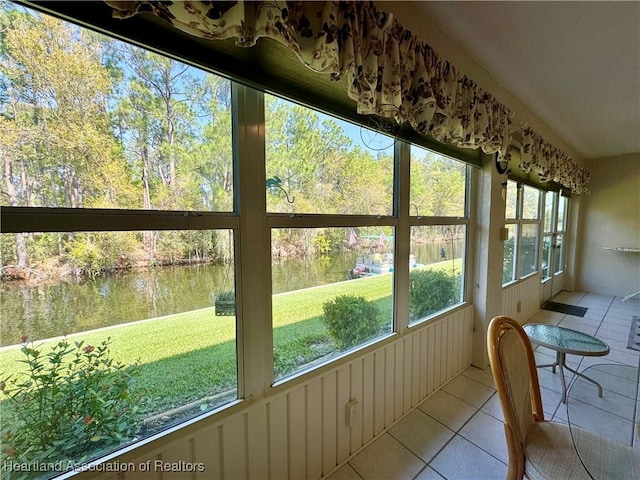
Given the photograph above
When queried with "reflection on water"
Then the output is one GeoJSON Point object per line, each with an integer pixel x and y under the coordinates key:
{"type": "Point", "coordinates": [52, 309]}
{"type": "Point", "coordinates": [48, 310]}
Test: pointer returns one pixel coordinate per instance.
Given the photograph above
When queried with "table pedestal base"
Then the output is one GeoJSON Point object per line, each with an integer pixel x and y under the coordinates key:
{"type": "Point", "coordinates": [561, 362]}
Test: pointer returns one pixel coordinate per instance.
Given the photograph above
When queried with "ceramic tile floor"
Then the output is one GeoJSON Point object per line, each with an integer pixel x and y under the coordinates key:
{"type": "Point", "coordinates": [457, 432]}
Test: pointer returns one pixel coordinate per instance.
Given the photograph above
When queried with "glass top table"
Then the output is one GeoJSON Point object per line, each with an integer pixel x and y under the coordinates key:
{"type": "Point", "coordinates": [563, 341]}
{"type": "Point", "coordinates": [614, 416]}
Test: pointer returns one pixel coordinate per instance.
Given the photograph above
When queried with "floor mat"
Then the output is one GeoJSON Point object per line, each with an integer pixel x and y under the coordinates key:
{"type": "Point", "coordinates": [565, 308]}
{"type": "Point", "coordinates": [634, 334]}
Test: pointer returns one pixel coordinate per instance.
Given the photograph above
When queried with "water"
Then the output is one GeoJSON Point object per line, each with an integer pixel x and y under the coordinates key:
{"type": "Point", "coordinates": [52, 309]}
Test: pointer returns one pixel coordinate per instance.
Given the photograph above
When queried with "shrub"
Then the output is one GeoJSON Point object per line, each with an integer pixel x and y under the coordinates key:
{"type": "Point", "coordinates": [430, 291]}
{"type": "Point", "coordinates": [226, 296]}
{"type": "Point", "coordinates": [351, 320]}
{"type": "Point", "coordinates": [71, 402]}
{"type": "Point", "coordinates": [86, 256]}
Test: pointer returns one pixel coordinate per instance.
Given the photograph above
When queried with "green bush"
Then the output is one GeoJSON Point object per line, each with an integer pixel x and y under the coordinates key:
{"type": "Point", "coordinates": [86, 256]}
{"type": "Point", "coordinates": [72, 402]}
{"type": "Point", "coordinates": [351, 320]}
{"type": "Point", "coordinates": [430, 291]}
{"type": "Point", "coordinates": [226, 296]}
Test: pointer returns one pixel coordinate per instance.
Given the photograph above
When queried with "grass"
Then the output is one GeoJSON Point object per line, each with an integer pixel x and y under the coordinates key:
{"type": "Point", "coordinates": [192, 355]}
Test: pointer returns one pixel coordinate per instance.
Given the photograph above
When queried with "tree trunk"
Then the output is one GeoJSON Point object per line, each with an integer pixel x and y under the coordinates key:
{"type": "Point", "coordinates": [22, 257]}
{"type": "Point", "coordinates": [168, 94]}
{"type": "Point", "coordinates": [147, 237]}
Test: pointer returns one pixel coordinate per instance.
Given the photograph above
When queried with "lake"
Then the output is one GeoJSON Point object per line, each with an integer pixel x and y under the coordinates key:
{"type": "Point", "coordinates": [51, 309]}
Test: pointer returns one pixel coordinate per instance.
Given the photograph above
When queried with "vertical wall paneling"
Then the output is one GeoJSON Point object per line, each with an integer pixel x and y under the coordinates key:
{"type": "Point", "coordinates": [468, 338]}
{"type": "Point", "coordinates": [368, 397]}
{"type": "Point", "coordinates": [447, 370]}
{"type": "Point", "coordinates": [415, 369]}
{"type": "Point", "coordinates": [407, 381]}
{"type": "Point", "coordinates": [206, 450]}
{"type": "Point", "coordinates": [174, 454]}
{"type": "Point", "coordinates": [277, 418]}
{"type": "Point", "coordinates": [343, 393]}
{"type": "Point", "coordinates": [314, 428]}
{"type": "Point", "coordinates": [464, 328]}
{"type": "Point", "coordinates": [438, 355]}
{"type": "Point", "coordinates": [234, 448]}
{"type": "Point", "coordinates": [118, 476]}
{"type": "Point", "coordinates": [356, 394]}
{"type": "Point", "coordinates": [527, 293]}
{"type": "Point", "coordinates": [257, 442]}
{"type": "Point", "coordinates": [139, 474]}
{"type": "Point", "coordinates": [509, 301]}
{"type": "Point", "coordinates": [302, 433]}
{"type": "Point", "coordinates": [389, 383]}
{"type": "Point", "coordinates": [297, 452]}
{"type": "Point", "coordinates": [431, 355]}
{"type": "Point", "coordinates": [379, 391]}
{"type": "Point", "coordinates": [398, 380]}
{"type": "Point", "coordinates": [456, 327]}
{"type": "Point", "coordinates": [329, 422]}
{"type": "Point", "coordinates": [423, 370]}
{"type": "Point", "coordinates": [454, 335]}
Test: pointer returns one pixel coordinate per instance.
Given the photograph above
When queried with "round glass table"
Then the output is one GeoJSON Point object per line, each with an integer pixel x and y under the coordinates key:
{"type": "Point", "coordinates": [614, 416]}
{"type": "Point", "coordinates": [563, 341]}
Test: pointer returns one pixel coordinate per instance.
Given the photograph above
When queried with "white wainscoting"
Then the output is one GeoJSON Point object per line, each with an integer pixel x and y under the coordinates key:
{"type": "Point", "coordinates": [301, 432]}
{"type": "Point", "coordinates": [526, 294]}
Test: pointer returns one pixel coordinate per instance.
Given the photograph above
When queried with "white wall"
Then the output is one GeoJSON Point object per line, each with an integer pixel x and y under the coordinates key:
{"type": "Point", "coordinates": [610, 216]}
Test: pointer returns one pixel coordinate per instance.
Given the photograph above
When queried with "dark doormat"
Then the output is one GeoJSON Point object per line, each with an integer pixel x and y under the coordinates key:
{"type": "Point", "coordinates": [634, 334]}
{"type": "Point", "coordinates": [565, 308]}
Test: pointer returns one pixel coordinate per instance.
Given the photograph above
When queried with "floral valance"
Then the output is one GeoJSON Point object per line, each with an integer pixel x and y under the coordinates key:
{"type": "Point", "coordinates": [551, 164]}
{"type": "Point", "coordinates": [389, 72]}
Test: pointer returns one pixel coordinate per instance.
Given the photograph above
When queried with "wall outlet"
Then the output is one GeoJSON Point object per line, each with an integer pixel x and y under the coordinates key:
{"type": "Point", "coordinates": [519, 307]}
{"type": "Point", "coordinates": [352, 413]}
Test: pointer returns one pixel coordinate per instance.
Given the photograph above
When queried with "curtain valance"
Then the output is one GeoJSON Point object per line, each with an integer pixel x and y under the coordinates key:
{"type": "Point", "coordinates": [551, 164]}
{"type": "Point", "coordinates": [389, 71]}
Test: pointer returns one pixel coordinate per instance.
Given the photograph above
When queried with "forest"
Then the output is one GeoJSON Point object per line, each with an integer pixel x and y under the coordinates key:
{"type": "Point", "coordinates": [87, 121]}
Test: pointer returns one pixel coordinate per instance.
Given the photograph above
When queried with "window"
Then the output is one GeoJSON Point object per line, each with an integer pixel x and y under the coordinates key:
{"type": "Point", "coordinates": [122, 161]}
{"type": "Point", "coordinates": [438, 206]}
{"type": "Point", "coordinates": [324, 164]}
{"type": "Point", "coordinates": [333, 300]}
{"type": "Point", "coordinates": [547, 239]}
{"type": "Point", "coordinates": [132, 214]}
{"type": "Point", "coordinates": [560, 233]}
{"type": "Point", "coordinates": [332, 286]}
{"type": "Point", "coordinates": [437, 266]}
{"type": "Point", "coordinates": [553, 245]}
{"type": "Point", "coordinates": [522, 219]}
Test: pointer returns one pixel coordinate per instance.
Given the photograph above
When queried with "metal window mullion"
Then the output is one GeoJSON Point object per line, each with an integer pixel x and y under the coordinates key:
{"type": "Point", "coordinates": [435, 221]}
{"type": "Point", "coordinates": [42, 219]}
{"type": "Point", "coordinates": [530, 221]}
{"type": "Point", "coordinates": [402, 240]}
{"type": "Point", "coordinates": [325, 221]}
{"type": "Point", "coordinates": [253, 254]}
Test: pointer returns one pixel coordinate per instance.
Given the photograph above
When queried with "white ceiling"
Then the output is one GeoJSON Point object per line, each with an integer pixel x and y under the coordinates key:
{"type": "Point", "coordinates": [576, 65]}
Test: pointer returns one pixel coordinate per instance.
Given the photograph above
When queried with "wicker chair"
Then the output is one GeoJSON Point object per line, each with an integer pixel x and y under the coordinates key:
{"type": "Point", "coordinates": [540, 449]}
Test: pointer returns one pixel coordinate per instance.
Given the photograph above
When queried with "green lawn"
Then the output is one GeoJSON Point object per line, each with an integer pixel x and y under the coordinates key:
{"type": "Point", "coordinates": [188, 356]}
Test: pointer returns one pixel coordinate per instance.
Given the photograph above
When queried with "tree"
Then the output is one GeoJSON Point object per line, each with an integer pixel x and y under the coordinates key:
{"type": "Point", "coordinates": [210, 167]}
{"type": "Point", "coordinates": [61, 151]}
